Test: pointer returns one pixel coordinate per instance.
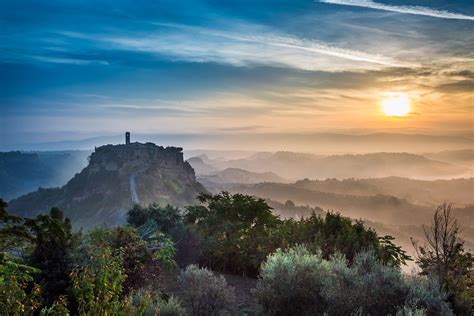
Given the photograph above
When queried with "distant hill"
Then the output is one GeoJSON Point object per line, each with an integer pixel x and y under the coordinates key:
{"type": "Point", "coordinates": [199, 166]}
{"type": "Point", "coordinates": [430, 193]}
{"type": "Point", "coordinates": [379, 207]}
{"type": "Point", "coordinates": [383, 208]}
{"type": "Point", "coordinates": [298, 166]}
{"type": "Point", "coordinates": [117, 177]}
{"type": "Point", "coordinates": [463, 157]}
{"type": "Point", "coordinates": [236, 175]}
{"type": "Point", "coordinates": [23, 172]}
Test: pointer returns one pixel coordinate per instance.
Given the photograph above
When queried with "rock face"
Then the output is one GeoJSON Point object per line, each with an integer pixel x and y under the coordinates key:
{"type": "Point", "coordinates": [117, 177]}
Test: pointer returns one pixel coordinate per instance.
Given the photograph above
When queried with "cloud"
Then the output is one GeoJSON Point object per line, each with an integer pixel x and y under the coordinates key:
{"type": "Point", "coordinates": [418, 10]}
{"type": "Point", "coordinates": [73, 61]}
{"type": "Point", "coordinates": [460, 86]}
{"type": "Point", "coordinates": [251, 46]}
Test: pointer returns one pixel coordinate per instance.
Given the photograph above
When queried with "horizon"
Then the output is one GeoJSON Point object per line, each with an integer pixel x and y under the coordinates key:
{"type": "Point", "coordinates": [329, 143]}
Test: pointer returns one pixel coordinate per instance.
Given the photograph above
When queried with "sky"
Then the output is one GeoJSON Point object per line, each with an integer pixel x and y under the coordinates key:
{"type": "Point", "coordinates": [79, 69]}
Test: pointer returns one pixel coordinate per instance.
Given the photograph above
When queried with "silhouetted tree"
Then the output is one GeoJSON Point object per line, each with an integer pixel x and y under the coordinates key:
{"type": "Point", "coordinates": [443, 256]}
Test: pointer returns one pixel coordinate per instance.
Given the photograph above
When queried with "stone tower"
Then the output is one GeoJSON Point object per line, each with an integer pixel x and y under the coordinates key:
{"type": "Point", "coordinates": [127, 138]}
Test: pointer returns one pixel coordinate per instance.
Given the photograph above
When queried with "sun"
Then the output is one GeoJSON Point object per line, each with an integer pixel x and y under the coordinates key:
{"type": "Point", "coordinates": [396, 105]}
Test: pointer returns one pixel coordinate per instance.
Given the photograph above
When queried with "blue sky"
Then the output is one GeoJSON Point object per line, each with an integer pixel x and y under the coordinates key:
{"type": "Point", "coordinates": [76, 69]}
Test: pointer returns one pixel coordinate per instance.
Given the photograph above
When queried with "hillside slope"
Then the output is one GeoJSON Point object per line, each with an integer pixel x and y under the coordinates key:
{"type": "Point", "coordinates": [117, 177]}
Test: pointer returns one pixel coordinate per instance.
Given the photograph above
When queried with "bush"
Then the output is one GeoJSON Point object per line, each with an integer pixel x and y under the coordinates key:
{"type": "Point", "coordinates": [409, 311]}
{"type": "Point", "coordinates": [172, 307]}
{"type": "Point", "coordinates": [426, 294]}
{"type": "Point", "coordinates": [19, 295]}
{"type": "Point", "coordinates": [290, 283]}
{"type": "Point", "coordinates": [98, 284]}
{"type": "Point", "coordinates": [207, 294]}
{"type": "Point", "coordinates": [148, 303]}
{"type": "Point", "coordinates": [297, 282]}
{"type": "Point", "coordinates": [367, 286]}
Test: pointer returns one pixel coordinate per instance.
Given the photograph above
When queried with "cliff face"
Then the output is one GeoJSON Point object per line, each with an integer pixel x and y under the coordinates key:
{"type": "Point", "coordinates": [117, 177]}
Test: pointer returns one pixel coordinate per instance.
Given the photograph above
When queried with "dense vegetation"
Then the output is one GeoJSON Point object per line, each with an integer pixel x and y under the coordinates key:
{"type": "Point", "coordinates": [315, 265]}
{"type": "Point", "coordinates": [240, 231]}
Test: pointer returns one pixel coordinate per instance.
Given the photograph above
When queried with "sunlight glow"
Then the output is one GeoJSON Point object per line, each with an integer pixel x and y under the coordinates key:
{"type": "Point", "coordinates": [396, 105]}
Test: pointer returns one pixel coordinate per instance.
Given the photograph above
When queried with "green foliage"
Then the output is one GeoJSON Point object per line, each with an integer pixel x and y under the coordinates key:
{"type": "Point", "coordinates": [299, 282]}
{"type": "Point", "coordinates": [139, 263]}
{"type": "Point", "coordinates": [52, 238]}
{"type": "Point", "coordinates": [207, 294]}
{"type": "Point", "coordinates": [98, 284]}
{"type": "Point", "coordinates": [240, 231]}
{"type": "Point", "coordinates": [13, 233]}
{"type": "Point", "coordinates": [19, 295]}
{"type": "Point", "coordinates": [390, 253]}
{"type": "Point", "coordinates": [408, 311]}
{"type": "Point", "coordinates": [425, 293]}
{"type": "Point", "coordinates": [335, 233]}
{"type": "Point", "coordinates": [161, 228]}
{"type": "Point", "coordinates": [166, 251]}
{"type": "Point", "coordinates": [237, 231]}
{"type": "Point", "coordinates": [290, 283]}
{"type": "Point", "coordinates": [172, 307]}
{"type": "Point", "coordinates": [59, 308]}
{"type": "Point", "coordinates": [149, 303]}
{"type": "Point", "coordinates": [166, 218]}
{"type": "Point", "coordinates": [366, 286]}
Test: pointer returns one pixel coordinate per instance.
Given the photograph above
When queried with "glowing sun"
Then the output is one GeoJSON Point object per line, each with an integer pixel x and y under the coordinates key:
{"type": "Point", "coordinates": [396, 105]}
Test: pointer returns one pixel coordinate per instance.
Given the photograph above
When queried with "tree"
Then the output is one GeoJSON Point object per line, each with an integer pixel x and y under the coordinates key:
{"type": "Point", "coordinates": [167, 218]}
{"type": "Point", "coordinates": [140, 267]}
{"type": "Point", "coordinates": [51, 252]}
{"type": "Point", "coordinates": [443, 257]}
{"type": "Point", "coordinates": [14, 235]}
{"type": "Point", "coordinates": [237, 230]}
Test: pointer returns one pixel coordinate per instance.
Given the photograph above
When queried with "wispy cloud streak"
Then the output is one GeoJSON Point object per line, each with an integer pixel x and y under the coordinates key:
{"type": "Point", "coordinates": [418, 10]}
{"type": "Point", "coordinates": [296, 52]}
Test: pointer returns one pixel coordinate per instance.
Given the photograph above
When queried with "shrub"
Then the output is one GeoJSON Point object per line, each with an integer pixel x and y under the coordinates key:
{"type": "Point", "coordinates": [409, 311]}
{"type": "Point", "coordinates": [19, 295]}
{"type": "Point", "coordinates": [367, 286]}
{"type": "Point", "coordinates": [207, 294]}
{"type": "Point", "coordinates": [290, 283]}
{"type": "Point", "coordinates": [146, 302]}
{"type": "Point", "coordinates": [98, 284]}
{"type": "Point", "coordinates": [297, 282]}
{"type": "Point", "coordinates": [172, 307]}
{"type": "Point", "coordinates": [426, 294]}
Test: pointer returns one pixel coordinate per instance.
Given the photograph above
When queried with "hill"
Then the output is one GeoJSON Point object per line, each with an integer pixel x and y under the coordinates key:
{"type": "Point", "coordinates": [236, 175]}
{"type": "Point", "coordinates": [462, 157]}
{"type": "Point", "coordinates": [117, 177]}
{"type": "Point", "coordinates": [23, 172]}
{"type": "Point", "coordinates": [200, 166]}
{"type": "Point", "coordinates": [299, 166]}
{"type": "Point", "coordinates": [430, 193]}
